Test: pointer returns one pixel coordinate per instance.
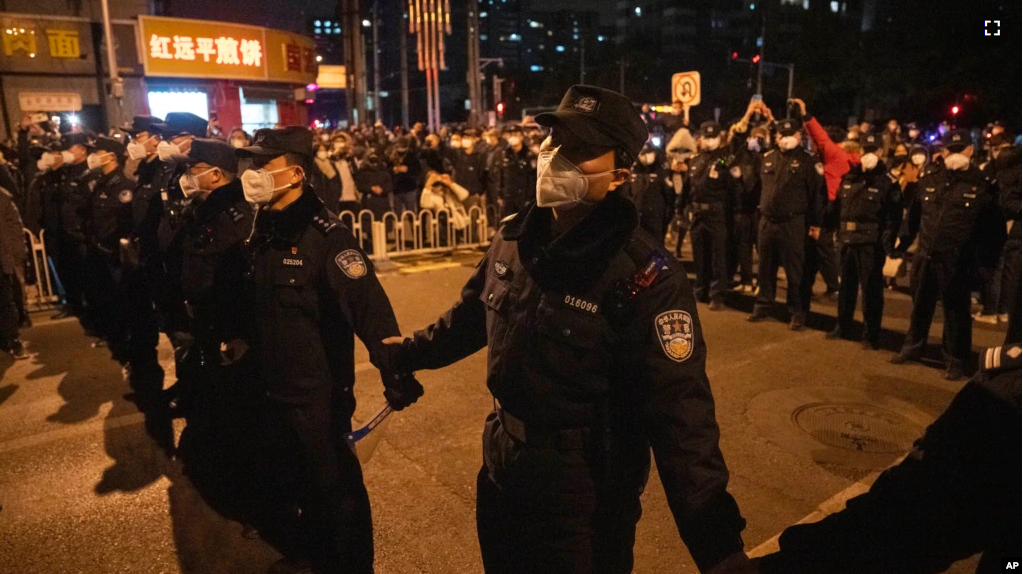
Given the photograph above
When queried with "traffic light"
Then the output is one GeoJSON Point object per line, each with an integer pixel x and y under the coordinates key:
{"type": "Point", "coordinates": [955, 110]}
{"type": "Point", "coordinates": [735, 55]}
{"type": "Point", "coordinates": [756, 58]}
{"type": "Point", "coordinates": [500, 108]}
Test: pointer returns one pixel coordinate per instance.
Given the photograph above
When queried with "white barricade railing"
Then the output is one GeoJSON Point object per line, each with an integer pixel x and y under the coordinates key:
{"type": "Point", "coordinates": [43, 292]}
{"type": "Point", "coordinates": [411, 233]}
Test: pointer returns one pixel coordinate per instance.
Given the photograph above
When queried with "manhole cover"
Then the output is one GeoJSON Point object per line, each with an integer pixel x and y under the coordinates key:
{"type": "Point", "coordinates": [857, 427]}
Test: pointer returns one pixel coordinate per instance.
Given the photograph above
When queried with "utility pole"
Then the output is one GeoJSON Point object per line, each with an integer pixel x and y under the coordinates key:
{"type": "Point", "coordinates": [355, 60]}
{"type": "Point", "coordinates": [403, 48]}
{"type": "Point", "coordinates": [621, 76]}
{"type": "Point", "coordinates": [473, 69]}
{"type": "Point", "coordinates": [760, 65]}
{"type": "Point", "coordinates": [376, 63]}
{"type": "Point", "coordinates": [116, 83]}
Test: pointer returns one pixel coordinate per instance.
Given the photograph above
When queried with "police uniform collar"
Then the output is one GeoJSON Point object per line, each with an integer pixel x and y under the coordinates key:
{"type": "Point", "coordinates": [221, 198]}
{"type": "Point", "coordinates": [106, 178]}
{"type": "Point", "coordinates": [290, 222]}
{"type": "Point", "coordinates": [605, 230]}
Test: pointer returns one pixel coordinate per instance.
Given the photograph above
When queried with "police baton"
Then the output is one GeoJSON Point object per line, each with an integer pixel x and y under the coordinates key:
{"type": "Point", "coordinates": [363, 441]}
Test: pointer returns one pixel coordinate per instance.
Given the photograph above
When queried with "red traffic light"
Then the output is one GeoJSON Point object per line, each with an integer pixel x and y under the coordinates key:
{"type": "Point", "coordinates": [756, 58]}
{"type": "Point", "coordinates": [735, 55]}
{"type": "Point", "coordinates": [500, 107]}
{"type": "Point", "coordinates": [955, 110]}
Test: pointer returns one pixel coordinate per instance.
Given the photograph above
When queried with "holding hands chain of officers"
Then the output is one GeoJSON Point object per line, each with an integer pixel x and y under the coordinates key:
{"type": "Point", "coordinates": [595, 353]}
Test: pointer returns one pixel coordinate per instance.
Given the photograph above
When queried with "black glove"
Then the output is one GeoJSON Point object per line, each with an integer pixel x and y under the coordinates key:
{"type": "Point", "coordinates": [401, 390]}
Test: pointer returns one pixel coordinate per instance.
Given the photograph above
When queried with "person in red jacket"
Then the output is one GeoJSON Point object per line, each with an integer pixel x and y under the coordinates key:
{"type": "Point", "coordinates": [836, 162]}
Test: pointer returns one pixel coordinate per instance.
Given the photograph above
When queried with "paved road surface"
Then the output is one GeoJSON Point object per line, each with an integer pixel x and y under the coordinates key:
{"type": "Point", "coordinates": [85, 490]}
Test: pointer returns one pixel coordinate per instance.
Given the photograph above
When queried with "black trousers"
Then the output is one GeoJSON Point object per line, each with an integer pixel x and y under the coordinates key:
{"type": "Point", "coordinates": [744, 235]}
{"type": "Point", "coordinates": [861, 271]}
{"type": "Point", "coordinates": [546, 510]}
{"type": "Point", "coordinates": [999, 290]}
{"type": "Point", "coordinates": [102, 292]}
{"type": "Point", "coordinates": [321, 476]}
{"type": "Point", "coordinates": [946, 278]}
{"type": "Point", "coordinates": [781, 243]}
{"type": "Point", "coordinates": [8, 310]}
{"type": "Point", "coordinates": [710, 248]}
{"type": "Point", "coordinates": [70, 265]}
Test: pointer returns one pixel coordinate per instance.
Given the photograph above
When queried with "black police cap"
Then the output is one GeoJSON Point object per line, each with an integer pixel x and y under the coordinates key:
{"type": "Point", "coordinates": [141, 124]}
{"type": "Point", "coordinates": [80, 138]}
{"type": "Point", "coordinates": [789, 127]}
{"type": "Point", "coordinates": [180, 123]}
{"type": "Point", "coordinates": [279, 141]}
{"type": "Point", "coordinates": [957, 140]}
{"type": "Point", "coordinates": [599, 117]}
{"type": "Point", "coordinates": [109, 144]}
{"type": "Point", "coordinates": [871, 142]}
{"type": "Point", "coordinates": [214, 152]}
{"type": "Point", "coordinates": [710, 129]}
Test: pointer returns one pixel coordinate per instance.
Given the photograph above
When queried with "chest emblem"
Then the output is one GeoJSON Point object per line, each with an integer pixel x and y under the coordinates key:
{"type": "Point", "coordinates": [351, 263]}
{"type": "Point", "coordinates": [124, 196]}
{"type": "Point", "coordinates": [501, 268]}
{"type": "Point", "coordinates": [675, 332]}
{"type": "Point", "coordinates": [736, 172]}
{"type": "Point", "coordinates": [580, 304]}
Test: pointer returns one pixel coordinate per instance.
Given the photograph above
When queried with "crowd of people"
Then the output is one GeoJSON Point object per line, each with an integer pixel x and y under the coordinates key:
{"type": "Point", "coordinates": [231, 246]}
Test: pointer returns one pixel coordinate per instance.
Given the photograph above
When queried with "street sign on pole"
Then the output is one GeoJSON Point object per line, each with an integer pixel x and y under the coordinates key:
{"type": "Point", "coordinates": [685, 88]}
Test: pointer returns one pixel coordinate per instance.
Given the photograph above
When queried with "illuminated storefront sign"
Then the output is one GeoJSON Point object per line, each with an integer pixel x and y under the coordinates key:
{"type": "Point", "coordinates": [177, 47]}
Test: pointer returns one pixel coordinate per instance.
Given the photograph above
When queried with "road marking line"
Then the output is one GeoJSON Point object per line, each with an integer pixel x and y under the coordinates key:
{"type": "Point", "coordinates": [830, 506]}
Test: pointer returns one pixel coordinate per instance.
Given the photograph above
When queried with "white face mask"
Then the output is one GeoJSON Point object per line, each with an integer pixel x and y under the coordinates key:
{"type": "Point", "coordinates": [258, 185]}
{"type": "Point", "coordinates": [956, 161]}
{"type": "Point", "coordinates": [467, 144]}
{"type": "Point", "coordinates": [190, 183]}
{"type": "Point", "coordinates": [137, 150]}
{"type": "Point", "coordinates": [94, 161]}
{"type": "Point", "coordinates": [787, 143]}
{"type": "Point", "coordinates": [868, 161]}
{"type": "Point", "coordinates": [918, 159]}
{"type": "Point", "coordinates": [325, 137]}
{"type": "Point", "coordinates": [455, 143]}
{"type": "Point", "coordinates": [321, 154]}
{"type": "Point", "coordinates": [514, 141]}
{"type": "Point", "coordinates": [67, 156]}
{"type": "Point", "coordinates": [710, 144]}
{"type": "Point", "coordinates": [913, 133]}
{"type": "Point", "coordinates": [647, 158]}
{"type": "Point", "coordinates": [46, 161]}
{"type": "Point", "coordinates": [168, 151]}
{"type": "Point", "coordinates": [753, 144]}
{"type": "Point", "coordinates": [559, 182]}
{"type": "Point", "coordinates": [238, 143]}
{"type": "Point", "coordinates": [852, 136]}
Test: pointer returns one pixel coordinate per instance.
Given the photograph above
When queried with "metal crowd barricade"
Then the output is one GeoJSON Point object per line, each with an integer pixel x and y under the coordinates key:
{"type": "Point", "coordinates": [411, 233]}
{"type": "Point", "coordinates": [43, 292]}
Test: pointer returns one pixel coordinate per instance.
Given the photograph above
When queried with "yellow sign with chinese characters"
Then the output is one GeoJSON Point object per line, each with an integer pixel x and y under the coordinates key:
{"type": "Point", "coordinates": [20, 41]}
{"type": "Point", "coordinates": [178, 47]}
{"type": "Point", "coordinates": [63, 43]}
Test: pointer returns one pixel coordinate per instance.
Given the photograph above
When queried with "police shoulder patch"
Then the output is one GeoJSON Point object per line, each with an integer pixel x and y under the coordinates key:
{"type": "Point", "coordinates": [124, 196]}
{"type": "Point", "coordinates": [675, 333]}
{"type": "Point", "coordinates": [736, 171]}
{"type": "Point", "coordinates": [234, 214]}
{"type": "Point", "coordinates": [351, 263]}
{"type": "Point", "coordinates": [819, 167]}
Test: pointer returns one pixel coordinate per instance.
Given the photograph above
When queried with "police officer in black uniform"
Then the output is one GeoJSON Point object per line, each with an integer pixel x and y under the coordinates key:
{"type": "Point", "coordinates": [791, 208]}
{"type": "Point", "coordinates": [595, 356]}
{"type": "Point", "coordinates": [955, 495]}
{"type": "Point", "coordinates": [868, 208]}
{"type": "Point", "coordinates": [650, 190]}
{"type": "Point", "coordinates": [314, 289]}
{"type": "Point", "coordinates": [712, 189]}
{"type": "Point", "coordinates": [218, 441]}
{"type": "Point", "coordinates": [108, 220]}
{"type": "Point", "coordinates": [746, 146]}
{"type": "Point", "coordinates": [513, 173]}
{"type": "Point", "coordinates": [141, 265]}
{"type": "Point", "coordinates": [961, 231]}
{"type": "Point", "coordinates": [73, 198]}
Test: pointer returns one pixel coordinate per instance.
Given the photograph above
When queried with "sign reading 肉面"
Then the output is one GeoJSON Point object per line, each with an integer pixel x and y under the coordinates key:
{"type": "Point", "coordinates": [685, 88]}
{"type": "Point", "coordinates": [178, 47]}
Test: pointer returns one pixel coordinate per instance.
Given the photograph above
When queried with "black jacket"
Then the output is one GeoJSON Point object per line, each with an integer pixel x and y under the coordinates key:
{"type": "Point", "coordinates": [710, 181]}
{"type": "Point", "coordinates": [868, 207]}
{"type": "Point", "coordinates": [214, 263]}
{"type": "Point", "coordinates": [568, 347]}
{"type": "Point", "coordinates": [791, 185]}
{"type": "Point", "coordinates": [314, 289]}
{"type": "Point", "coordinates": [109, 214]}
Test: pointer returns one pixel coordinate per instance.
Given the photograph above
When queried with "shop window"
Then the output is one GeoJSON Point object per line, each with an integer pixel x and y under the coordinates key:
{"type": "Point", "coordinates": [162, 103]}
{"type": "Point", "coordinates": [258, 113]}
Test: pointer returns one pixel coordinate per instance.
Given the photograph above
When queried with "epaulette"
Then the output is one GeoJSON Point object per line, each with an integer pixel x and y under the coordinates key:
{"type": "Point", "coordinates": [769, 152]}
{"type": "Point", "coordinates": [892, 178]}
{"type": "Point", "coordinates": [642, 248]}
{"type": "Point", "coordinates": [234, 214]}
{"type": "Point", "coordinates": [326, 222]}
{"type": "Point", "coordinates": [1004, 357]}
